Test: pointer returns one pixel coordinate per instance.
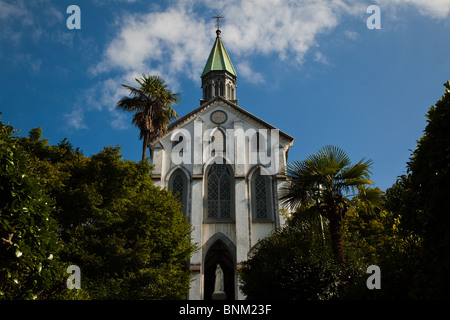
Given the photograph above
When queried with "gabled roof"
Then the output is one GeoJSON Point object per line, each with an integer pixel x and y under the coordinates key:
{"type": "Point", "coordinates": [218, 59]}
{"type": "Point", "coordinates": [174, 125]}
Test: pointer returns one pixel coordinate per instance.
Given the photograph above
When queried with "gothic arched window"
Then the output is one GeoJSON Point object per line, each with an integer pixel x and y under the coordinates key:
{"type": "Point", "coordinates": [216, 89]}
{"type": "Point", "coordinates": [219, 193]}
{"type": "Point", "coordinates": [178, 186]}
{"type": "Point", "coordinates": [219, 143]}
{"type": "Point", "coordinates": [222, 89]}
{"type": "Point", "coordinates": [261, 197]}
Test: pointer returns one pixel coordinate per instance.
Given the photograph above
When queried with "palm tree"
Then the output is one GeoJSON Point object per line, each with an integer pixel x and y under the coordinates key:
{"type": "Point", "coordinates": [152, 103]}
{"type": "Point", "coordinates": [326, 180]}
{"type": "Point", "coordinates": [369, 199]}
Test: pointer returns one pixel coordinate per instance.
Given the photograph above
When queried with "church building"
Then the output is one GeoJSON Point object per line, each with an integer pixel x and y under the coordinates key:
{"type": "Point", "coordinates": [224, 164]}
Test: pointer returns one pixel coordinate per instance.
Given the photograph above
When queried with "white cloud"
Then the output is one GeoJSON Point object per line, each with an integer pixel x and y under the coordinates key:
{"type": "Point", "coordinates": [10, 11]}
{"type": "Point", "coordinates": [286, 28]}
{"type": "Point", "coordinates": [250, 75]}
{"type": "Point", "coordinates": [319, 57]}
{"type": "Point", "coordinates": [169, 42]}
{"type": "Point", "coordinates": [29, 62]}
{"type": "Point", "coordinates": [108, 2]}
{"type": "Point", "coordinates": [175, 42]}
{"type": "Point", "coordinates": [101, 97]}
{"type": "Point", "coordinates": [120, 121]}
{"type": "Point", "coordinates": [438, 9]}
{"type": "Point", "coordinates": [75, 119]}
{"type": "Point", "coordinates": [38, 21]}
{"type": "Point", "coordinates": [9, 14]}
{"type": "Point", "coordinates": [352, 35]}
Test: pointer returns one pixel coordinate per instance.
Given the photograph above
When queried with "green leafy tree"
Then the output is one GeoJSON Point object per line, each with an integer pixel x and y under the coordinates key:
{"type": "Point", "coordinates": [293, 263]}
{"type": "Point", "coordinates": [365, 225]}
{"type": "Point", "coordinates": [297, 261]}
{"type": "Point", "coordinates": [374, 235]}
{"type": "Point", "coordinates": [324, 180]}
{"type": "Point", "coordinates": [426, 202]}
{"type": "Point", "coordinates": [129, 238]}
{"type": "Point", "coordinates": [152, 104]}
{"type": "Point", "coordinates": [412, 247]}
{"type": "Point", "coordinates": [30, 267]}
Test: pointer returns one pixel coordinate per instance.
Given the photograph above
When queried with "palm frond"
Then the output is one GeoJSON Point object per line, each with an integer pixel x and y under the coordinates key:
{"type": "Point", "coordinates": [371, 195]}
{"type": "Point", "coordinates": [329, 171]}
{"type": "Point", "coordinates": [130, 104]}
{"type": "Point", "coordinates": [152, 103]}
{"type": "Point", "coordinates": [334, 156]}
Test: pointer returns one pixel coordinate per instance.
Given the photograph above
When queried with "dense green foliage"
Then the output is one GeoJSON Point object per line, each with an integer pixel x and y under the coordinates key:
{"type": "Point", "coordinates": [30, 267]}
{"type": "Point", "coordinates": [123, 232]}
{"type": "Point", "coordinates": [324, 180]}
{"type": "Point", "coordinates": [423, 203]}
{"type": "Point", "coordinates": [374, 235]}
{"type": "Point", "coordinates": [101, 213]}
{"type": "Point", "coordinates": [294, 263]}
{"type": "Point", "coordinates": [412, 247]}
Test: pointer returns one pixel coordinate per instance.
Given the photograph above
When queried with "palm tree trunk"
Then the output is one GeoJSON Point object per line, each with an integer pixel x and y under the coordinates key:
{"type": "Point", "coordinates": [336, 238]}
{"type": "Point", "coordinates": [144, 146]}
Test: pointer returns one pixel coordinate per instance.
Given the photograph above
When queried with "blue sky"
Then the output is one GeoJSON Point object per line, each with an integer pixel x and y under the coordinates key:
{"type": "Point", "coordinates": [311, 68]}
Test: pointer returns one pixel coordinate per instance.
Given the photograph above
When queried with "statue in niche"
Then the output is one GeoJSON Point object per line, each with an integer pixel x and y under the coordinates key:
{"type": "Point", "coordinates": [218, 284]}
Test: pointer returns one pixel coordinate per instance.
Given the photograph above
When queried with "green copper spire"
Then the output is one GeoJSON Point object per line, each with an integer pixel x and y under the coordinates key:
{"type": "Point", "coordinates": [218, 58]}
{"type": "Point", "coordinates": [219, 76]}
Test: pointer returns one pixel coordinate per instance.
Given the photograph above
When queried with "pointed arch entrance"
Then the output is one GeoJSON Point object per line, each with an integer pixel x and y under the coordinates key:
{"type": "Point", "coordinates": [220, 251]}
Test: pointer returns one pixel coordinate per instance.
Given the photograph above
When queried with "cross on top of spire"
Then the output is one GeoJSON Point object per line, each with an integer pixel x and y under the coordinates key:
{"type": "Point", "coordinates": [218, 17]}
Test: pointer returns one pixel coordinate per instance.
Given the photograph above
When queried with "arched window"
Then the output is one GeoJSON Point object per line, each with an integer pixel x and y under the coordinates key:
{"type": "Point", "coordinates": [219, 193]}
{"type": "Point", "coordinates": [222, 89]}
{"type": "Point", "coordinates": [261, 197]}
{"type": "Point", "coordinates": [178, 186]}
{"type": "Point", "coordinates": [219, 143]}
{"type": "Point", "coordinates": [216, 88]}
{"type": "Point", "coordinates": [209, 91]}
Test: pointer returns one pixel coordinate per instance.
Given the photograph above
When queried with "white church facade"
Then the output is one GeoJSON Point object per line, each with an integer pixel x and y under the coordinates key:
{"type": "Point", "coordinates": [225, 165]}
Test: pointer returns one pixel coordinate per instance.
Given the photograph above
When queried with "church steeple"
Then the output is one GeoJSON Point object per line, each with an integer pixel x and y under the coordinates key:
{"type": "Point", "coordinates": [219, 76]}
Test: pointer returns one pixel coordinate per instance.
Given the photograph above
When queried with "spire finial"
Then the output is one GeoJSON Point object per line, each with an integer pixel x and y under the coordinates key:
{"type": "Point", "coordinates": [218, 17]}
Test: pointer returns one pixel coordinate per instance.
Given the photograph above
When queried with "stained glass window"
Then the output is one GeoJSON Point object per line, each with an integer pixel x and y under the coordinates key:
{"type": "Point", "coordinates": [261, 197]}
{"type": "Point", "coordinates": [178, 186]}
{"type": "Point", "coordinates": [219, 190]}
